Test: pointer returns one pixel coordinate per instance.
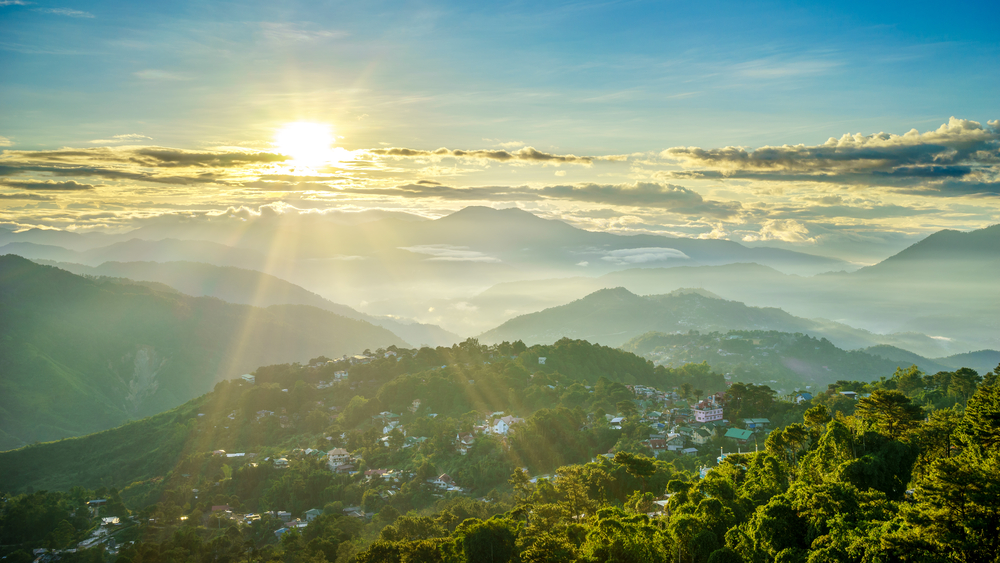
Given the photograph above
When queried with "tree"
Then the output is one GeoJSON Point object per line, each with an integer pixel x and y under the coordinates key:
{"type": "Point", "coordinates": [964, 383]}
{"type": "Point", "coordinates": [626, 408]}
{"type": "Point", "coordinates": [638, 466]}
{"type": "Point", "coordinates": [492, 541]}
{"type": "Point", "coordinates": [890, 411]}
{"type": "Point", "coordinates": [817, 416]}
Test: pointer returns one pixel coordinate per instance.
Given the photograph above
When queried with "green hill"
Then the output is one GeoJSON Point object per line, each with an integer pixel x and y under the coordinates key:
{"type": "Point", "coordinates": [783, 360]}
{"type": "Point", "coordinates": [80, 355]}
{"type": "Point", "coordinates": [613, 316]}
{"type": "Point", "coordinates": [250, 287]}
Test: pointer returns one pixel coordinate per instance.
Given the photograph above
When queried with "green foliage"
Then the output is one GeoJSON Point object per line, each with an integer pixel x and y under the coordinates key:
{"type": "Point", "coordinates": [822, 487]}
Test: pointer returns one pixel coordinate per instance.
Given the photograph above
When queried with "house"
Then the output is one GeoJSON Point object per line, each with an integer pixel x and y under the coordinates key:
{"type": "Point", "coordinates": [312, 514]}
{"type": "Point", "coordinates": [464, 441]}
{"type": "Point", "coordinates": [701, 436]}
{"type": "Point", "coordinates": [849, 394]}
{"type": "Point", "coordinates": [756, 423]}
{"type": "Point", "coordinates": [248, 378]}
{"type": "Point", "coordinates": [675, 440]}
{"type": "Point", "coordinates": [445, 482]}
{"type": "Point", "coordinates": [281, 463]}
{"type": "Point", "coordinates": [541, 360]}
{"type": "Point", "coordinates": [415, 406]}
{"type": "Point", "coordinates": [706, 412]}
{"type": "Point", "coordinates": [741, 436]}
{"type": "Point", "coordinates": [285, 516]}
{"type": "Point", "coordinates": [354, 511]}
{"type": "Point", "coordinates": [503, 425]}
{"type": "Point", "coordinates": [338, 456]}
{"type": "Point", "coordinates": [803, 397]}
{"type": "Point", "coordinates": [657, 445]}
{"type": "Point", "coordinates": [344, 468]}
{"type": "Point", "coordinates": [616, 422]}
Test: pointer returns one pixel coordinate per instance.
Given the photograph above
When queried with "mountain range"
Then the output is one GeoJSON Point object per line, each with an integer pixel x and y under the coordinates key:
{"type": "Point", "coordinates": [250, 287]}
{"type": "Point", "coordinates": [80, 355]}
{"type": "Point", "coordinates": [614, 316]}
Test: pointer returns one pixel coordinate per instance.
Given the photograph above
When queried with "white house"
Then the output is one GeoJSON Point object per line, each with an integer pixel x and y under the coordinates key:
{"type": "Point", "coordinates": [503, 425]}
{"type": "Point", "coordinates": [337, 457]}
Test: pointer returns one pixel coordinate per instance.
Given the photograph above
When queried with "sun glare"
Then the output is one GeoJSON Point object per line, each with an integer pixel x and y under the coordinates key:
{"type": "Point", "coordinates": [307, 143]}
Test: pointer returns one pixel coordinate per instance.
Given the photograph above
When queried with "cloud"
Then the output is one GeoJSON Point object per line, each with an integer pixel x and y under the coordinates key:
{"type": "Point", "coordinates": [284, 32]}
{"type": "Point", "coordinates": [127, 138]}
{"type": "Point", "coordinates": [771, 68]}
{"type": "Point", "coordinates": [961, 157]}
{"type": "Point", "coordinates": [66, 12]}
{"type": "Point", "coordinates": [139, 163]}
{"type": "Point", "coordinates": [5, 142]}
{"type": "Point", "coordinates": [787, 230]}
{"type": "Point", "coordinates": [644, 255]}
{"type": "Point", "coordinates": [14, 3]}
{"type": "Point", "coordinates": [526, 154]}
{"type": "Point", "coordinates": [34, 197]}
{"type": "Point", "coordinates": [640, 194]}
{"type": "Point", "coordinates": [449, 253]}
{"type": "Point", "coordinates": [46, 185]}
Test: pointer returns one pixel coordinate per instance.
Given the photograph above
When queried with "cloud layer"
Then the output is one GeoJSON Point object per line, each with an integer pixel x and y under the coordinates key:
{"type": "Point", "coordinates": [961, 157]}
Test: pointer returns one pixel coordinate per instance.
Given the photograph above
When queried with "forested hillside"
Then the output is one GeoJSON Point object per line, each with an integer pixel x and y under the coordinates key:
{"type": "Point", "coordinates": [81, 355]}
{"type": "Point", "coordinates": [402, 457]}
{"type": "Point", "coordinates": [783, 360]}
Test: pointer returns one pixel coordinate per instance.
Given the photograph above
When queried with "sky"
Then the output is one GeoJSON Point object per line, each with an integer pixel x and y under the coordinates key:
{"type": "Point", "coordinates": [847, 129]}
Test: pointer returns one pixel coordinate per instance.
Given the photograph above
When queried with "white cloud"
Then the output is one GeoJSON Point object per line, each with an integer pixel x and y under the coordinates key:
{"type": "Point", "coordinates": [127, 138]}
{"type": "Point", "coordinates": [5, 142]}
{"type": "Point", "coordinates": [67, 12]}
{"type": "Point", "coordinates": [644, 255]}
{"type": "Point", "coordinates": [449, 253]}
{"type": "Point", "coordinates": [785, 230]}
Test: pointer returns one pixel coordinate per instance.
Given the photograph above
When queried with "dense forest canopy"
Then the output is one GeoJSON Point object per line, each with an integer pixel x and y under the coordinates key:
{"type": "Point", "coordinates": [896, 469]}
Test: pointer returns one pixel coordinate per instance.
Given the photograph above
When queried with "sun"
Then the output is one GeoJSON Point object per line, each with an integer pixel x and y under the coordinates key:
{"type": "Point", "coordinates": [307, 143]}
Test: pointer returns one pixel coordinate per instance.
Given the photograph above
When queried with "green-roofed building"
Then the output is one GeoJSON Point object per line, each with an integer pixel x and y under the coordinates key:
{"type": "Point", "coordinates": [739, 435]}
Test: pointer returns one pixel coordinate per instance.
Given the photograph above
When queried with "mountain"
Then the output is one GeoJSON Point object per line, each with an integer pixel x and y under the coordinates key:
{"type": "Point", "coordinates": [613, 316]}
{"type": "Point", "coordinates": [137, 249]}
{"type": "Point", "coordinates": [782, 360]}
{"type": "Point", "coordinates": [983, 361]}
{"type": "Point", "coordinates": [81, 355]}
{"type": "Point", "coordinates": [906, 357]}
{"type": "Point", "coordinates": [249, 287]}
{"type": "Point", "coordinates": [944, 254]}
{"type": "Point", "coordinates": [513, 236]}
{"type": "Point", "coordinates": [937, 297]}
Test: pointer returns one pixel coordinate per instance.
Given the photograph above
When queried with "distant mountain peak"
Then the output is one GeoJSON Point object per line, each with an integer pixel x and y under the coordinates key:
{"type": "Point", "coordinates": [480, 212]}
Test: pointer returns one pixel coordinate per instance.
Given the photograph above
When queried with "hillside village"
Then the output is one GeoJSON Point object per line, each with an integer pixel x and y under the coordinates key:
{"type": "Point", "coordinates": [360, 441]}
{"type": "Point", "coordinates": [670, 422]}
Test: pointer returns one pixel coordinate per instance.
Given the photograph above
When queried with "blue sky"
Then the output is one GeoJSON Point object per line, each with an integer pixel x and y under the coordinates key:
{"type": "Point", "coordinates": [580, 78]}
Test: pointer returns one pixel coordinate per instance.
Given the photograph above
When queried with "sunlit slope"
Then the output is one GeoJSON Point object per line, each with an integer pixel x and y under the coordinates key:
{"type": "Point", "coordinates": [79, 355]}
{"type": "Point", "coordinates": [114, 458]}
{"type": "Point", "coordinates": [250, 287]}
{"type": "Point", "coordinates": [505, 378]}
